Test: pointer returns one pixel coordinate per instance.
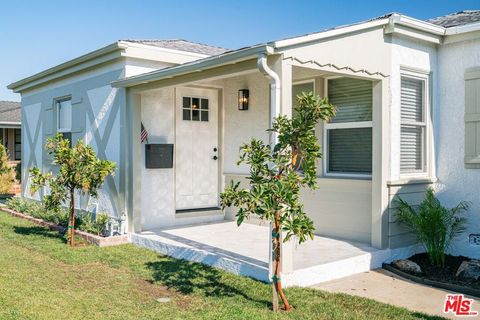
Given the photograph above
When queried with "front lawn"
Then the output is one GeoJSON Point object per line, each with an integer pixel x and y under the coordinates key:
{"type": "Point", "coordinates": [42, 278]}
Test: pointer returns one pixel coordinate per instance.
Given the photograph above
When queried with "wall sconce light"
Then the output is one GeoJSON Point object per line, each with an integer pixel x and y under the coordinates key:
{"type": "Point", "coordinates": [243, 99]}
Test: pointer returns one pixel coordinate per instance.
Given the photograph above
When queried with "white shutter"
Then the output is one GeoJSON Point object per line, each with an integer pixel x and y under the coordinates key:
{"type": "Point", "coordinates": [472, 118]}
{"type": "Point", "coordinates": [412, 132]}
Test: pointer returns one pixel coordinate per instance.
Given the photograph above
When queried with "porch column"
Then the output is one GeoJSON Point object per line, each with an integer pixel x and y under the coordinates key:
{"type": "Point", "coordinates": [133, 157]}
{"type": "Point", "coordinates": [380, 161]}
{"type": "Point", "coordinates": [284, 71]}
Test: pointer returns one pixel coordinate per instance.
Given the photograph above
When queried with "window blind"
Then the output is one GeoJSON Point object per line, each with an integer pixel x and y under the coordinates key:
{"type": "Point", "coordinates": [412, 132]}
{"type": "Point", "coordinates": [350, 150]}
{"type": "Point", "coordinates": [353, 98]}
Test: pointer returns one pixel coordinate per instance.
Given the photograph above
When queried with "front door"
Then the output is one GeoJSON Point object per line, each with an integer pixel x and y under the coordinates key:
{"type": "Point", "coordinates": [196, 151]}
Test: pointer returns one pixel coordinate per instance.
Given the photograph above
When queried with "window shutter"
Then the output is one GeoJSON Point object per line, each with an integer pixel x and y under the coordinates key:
{"type": "Point", "coordinates": [78, 115]}
{"type": "Point", "coordinates": [353, 98]}
{"type": "Point", "coordinates": [472, 118]}
{"type": "Point", "coordinates": [412, 132]}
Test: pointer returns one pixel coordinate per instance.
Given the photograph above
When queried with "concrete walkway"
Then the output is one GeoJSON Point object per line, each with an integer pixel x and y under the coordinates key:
{"type": "Point", "coordinates": [386, 287]}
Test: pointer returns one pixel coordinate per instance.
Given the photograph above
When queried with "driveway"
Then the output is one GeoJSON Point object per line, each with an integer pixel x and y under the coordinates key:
{"type": "Point", "coordinates": [386, 287]}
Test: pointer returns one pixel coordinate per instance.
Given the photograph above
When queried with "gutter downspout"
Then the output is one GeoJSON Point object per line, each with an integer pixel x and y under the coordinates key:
{"type": "Point", "coordinates": [274, 91]}
{"type": "Point", "coordinates": [274, 112]}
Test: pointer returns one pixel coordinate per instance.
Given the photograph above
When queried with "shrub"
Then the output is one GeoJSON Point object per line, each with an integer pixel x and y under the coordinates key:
{"type": "Point", "coordinates": [60, 216]}
{"type": "Point", "coordinates": [96, 225]}
{"type": "Point", "coordinates": [7, 175]}
{"type": "Point", "coordinates": [434, 225]}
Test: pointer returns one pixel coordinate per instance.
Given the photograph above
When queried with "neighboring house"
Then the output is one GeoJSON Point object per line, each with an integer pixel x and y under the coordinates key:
{"type": "Point", "coordinates": [408, 118]}
{"type": "Point", "coordinates": [10, 128]}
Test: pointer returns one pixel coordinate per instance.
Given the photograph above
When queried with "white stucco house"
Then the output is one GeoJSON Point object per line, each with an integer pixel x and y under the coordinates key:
{"type": "Point", "coordinates": [408, 118]}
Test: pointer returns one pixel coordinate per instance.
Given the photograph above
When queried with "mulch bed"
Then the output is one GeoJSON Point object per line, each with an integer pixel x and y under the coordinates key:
{"type": "Point", "coordinates": [436, 276]}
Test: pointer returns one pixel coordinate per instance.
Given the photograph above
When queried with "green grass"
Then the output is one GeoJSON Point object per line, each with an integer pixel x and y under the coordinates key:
{"type": "Point", "coordinates": [42, 278]}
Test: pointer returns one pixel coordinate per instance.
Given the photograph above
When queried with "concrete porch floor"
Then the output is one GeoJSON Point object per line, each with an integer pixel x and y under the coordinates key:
{"type": "Point", "coordinates": [244, 250]}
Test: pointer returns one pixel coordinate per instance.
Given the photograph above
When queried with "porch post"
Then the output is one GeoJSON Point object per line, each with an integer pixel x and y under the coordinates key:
{"type": "Point", "coordinates": [133, 157]}
{"type": "Point", "coordinates": [380, 164]}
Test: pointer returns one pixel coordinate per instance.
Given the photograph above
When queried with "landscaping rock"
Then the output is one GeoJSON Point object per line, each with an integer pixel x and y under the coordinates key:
{"type": "Point", "coordinates": [469, 270]}
{"type": "Point", "coordinates": [407, 266]}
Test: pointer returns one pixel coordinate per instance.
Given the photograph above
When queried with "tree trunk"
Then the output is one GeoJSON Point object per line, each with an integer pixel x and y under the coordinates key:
{"type": "Point", "coordinates": [277, 283]}
{"type": "Point", "coordinates": [71, 227]}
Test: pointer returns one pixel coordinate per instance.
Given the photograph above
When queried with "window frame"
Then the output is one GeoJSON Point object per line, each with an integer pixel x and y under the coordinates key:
{"type": "Point", "coordinates": [200, 110]}
{"type": "Point", "coordinates": [17, 143]}
{"type": "Point", "coordinates": [423, 76]}
{"type": "Point", "coordinates": [342, 125]}
{"type": "Point", "coordinates": [57, 110]}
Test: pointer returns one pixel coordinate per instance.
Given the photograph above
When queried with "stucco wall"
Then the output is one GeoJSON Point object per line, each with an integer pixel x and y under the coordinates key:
{"type": "Point", "coordinates": [158, 200]}
{"type": "Point", "coordinates": [97, 114]}
{"type": "Point", "coordinates": [241, 126]}
{"type": "Point", "coordinates": [413, 54]}
{"type": "Point", "coordinates": [338, 51]}
{"type": "Point", "coordinates": [455, 183]}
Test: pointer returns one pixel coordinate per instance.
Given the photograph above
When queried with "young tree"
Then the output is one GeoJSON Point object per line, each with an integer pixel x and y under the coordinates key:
{"type": "Point", "coordinates": [79, 170]}
{"type": "Point", "coordinates": [276, 177]}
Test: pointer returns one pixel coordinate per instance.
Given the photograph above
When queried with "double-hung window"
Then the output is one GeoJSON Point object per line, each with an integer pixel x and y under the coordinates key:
{"type": "Point", "coordinates": [348, 136]}
{"type": "Point", "coordinates": [413, 127]}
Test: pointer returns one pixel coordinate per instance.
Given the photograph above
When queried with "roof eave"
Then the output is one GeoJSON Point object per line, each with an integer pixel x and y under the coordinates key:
{"type": "Point", "coordinates": [195, 66]}
{"type": "Point", "coordinates": [417, 24]}
{"type": "Point", "coordinates": [472, 27]}
{"type": "Point", "coordinates": [329, 33]}
{"type": "Point", "coordinates": [24, 84]}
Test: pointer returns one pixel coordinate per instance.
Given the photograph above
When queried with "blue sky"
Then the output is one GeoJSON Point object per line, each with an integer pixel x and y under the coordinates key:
{"type": "Point", "coordinates": [35, 35]}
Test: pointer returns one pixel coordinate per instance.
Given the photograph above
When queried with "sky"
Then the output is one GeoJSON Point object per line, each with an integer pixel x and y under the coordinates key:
{"type": "Point", "coordinates": [36, 35]}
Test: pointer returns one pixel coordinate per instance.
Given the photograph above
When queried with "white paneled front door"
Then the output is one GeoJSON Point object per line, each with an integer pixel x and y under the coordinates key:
{"type": "Point", "coordinates": [196, 150]}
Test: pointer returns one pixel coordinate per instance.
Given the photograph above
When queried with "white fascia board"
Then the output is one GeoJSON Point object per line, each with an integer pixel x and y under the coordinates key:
{"type": "Point", "coordinates": [417, 24]}
{"type": "Point", "coordinates": [10, 124]}
{"type": "Point", "coordinates": [195, 66]}
{"type": "Point", "coordinates": [463, 29]}
{"type": "Point", "coordinates": [329, 33]}
{"type": "Point", "coordinates": [417, 34]}
{"type": "Point", "coordinates": [88, 60]}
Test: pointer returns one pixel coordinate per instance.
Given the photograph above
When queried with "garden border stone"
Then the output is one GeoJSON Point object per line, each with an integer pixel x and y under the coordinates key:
{"type": "Point", "coordinates": [437, 284]}
{"type": "Point", "coordinates": [90, 238]}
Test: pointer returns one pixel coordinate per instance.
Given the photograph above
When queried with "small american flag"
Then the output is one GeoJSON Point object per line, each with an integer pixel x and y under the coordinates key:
{"type": "Point", "coordinates": [143, 134]}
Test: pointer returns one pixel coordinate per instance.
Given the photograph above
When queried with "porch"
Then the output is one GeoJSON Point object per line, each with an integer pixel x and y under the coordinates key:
{"type": "Point", "coordinates": [245, 251]}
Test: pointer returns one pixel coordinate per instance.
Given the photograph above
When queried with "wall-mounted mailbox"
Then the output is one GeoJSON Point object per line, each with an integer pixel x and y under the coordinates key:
{"type": "Point", "coordinates": [158, 156]}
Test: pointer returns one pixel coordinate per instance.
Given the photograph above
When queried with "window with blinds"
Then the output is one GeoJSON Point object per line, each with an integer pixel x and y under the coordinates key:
{"type": "Point", "coordinates": [349, 133]}
{"type": "Point", "coordinates": [413, 125]}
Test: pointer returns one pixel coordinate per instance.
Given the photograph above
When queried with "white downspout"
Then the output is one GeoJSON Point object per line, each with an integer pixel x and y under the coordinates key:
{"type": "Point", "coordinates": [274, 91]}
{"type": "Point", "coordinates": [274, 112]}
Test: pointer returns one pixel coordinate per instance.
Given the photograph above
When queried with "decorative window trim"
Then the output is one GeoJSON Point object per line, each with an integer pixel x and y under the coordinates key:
{"type": "Point", "coordinates": [417, 74]}
{"type": "Point", "coordinates": [340, 125]}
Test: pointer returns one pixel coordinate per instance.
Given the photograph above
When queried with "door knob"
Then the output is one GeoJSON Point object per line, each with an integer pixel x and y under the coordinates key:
{"type": "Point", "coordinates": [215, 149]}
{"type": "Point", "coordinates": [215, 158]}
